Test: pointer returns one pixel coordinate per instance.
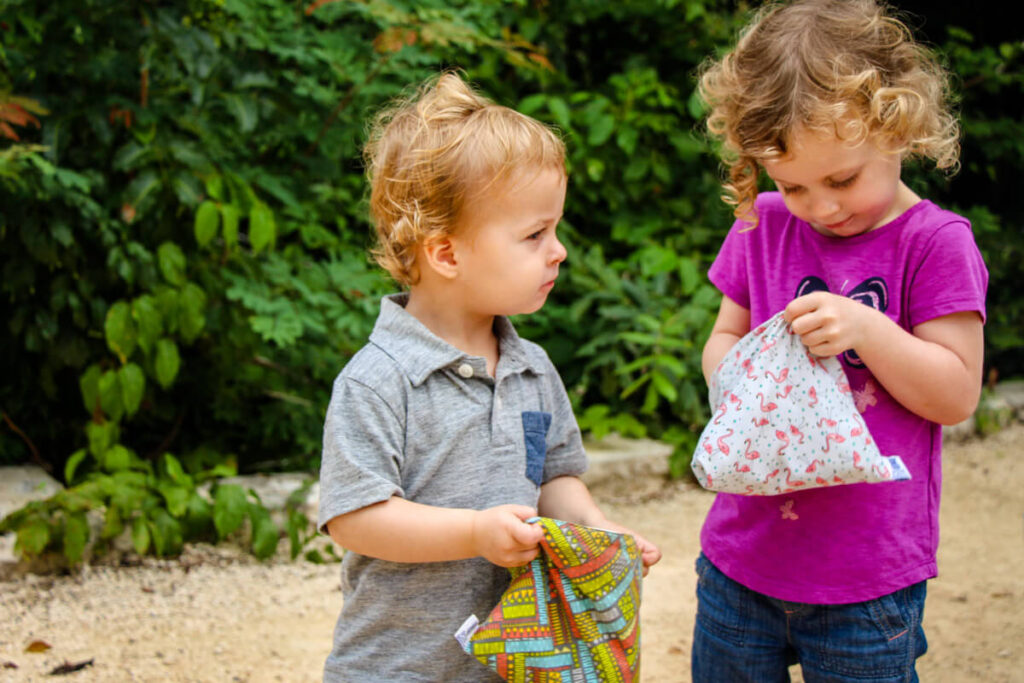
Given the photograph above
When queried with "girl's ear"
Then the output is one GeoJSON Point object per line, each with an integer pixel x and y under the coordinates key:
{"type": "Point", "coordinates": [439, 256]}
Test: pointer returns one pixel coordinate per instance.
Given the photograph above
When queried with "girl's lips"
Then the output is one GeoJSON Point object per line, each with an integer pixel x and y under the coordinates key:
{"type": "Point", "coordinates": [840, 224]}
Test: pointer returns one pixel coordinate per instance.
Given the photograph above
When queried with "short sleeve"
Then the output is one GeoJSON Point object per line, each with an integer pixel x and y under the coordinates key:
{"type": "Point", "coordinates": [728, 272]}
{"type": "Point", "coordinates": [565, 453]}
{"type": "Point", "coordinates": [949, 275]}
{"type": "Point", "coordinates": [362, 451]}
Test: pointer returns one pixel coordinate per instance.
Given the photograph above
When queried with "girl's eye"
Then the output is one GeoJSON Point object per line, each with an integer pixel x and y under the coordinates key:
{"type": "Point", "coordinates": [790, 190]}
{"type": "Point", "coordinates": [535, 235]}
{"type": "Point", "coordinates": [845, 183]}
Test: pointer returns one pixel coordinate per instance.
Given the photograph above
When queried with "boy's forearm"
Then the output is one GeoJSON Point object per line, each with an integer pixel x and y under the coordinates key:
{"type": "Point", "coordinates": [399, 530]}
{"type": "Point", "coordinates": [567, 498]}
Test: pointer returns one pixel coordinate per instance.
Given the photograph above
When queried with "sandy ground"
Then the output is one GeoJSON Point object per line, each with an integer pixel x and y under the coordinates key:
{"type": "Point", "coordinates": [213, 615]}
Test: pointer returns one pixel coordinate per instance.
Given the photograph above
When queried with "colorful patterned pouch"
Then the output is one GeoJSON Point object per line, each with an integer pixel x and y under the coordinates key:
{"type": "Point", "coordinates": [572, 614]}
{"type": "Point", "coordinates": [785, 420]}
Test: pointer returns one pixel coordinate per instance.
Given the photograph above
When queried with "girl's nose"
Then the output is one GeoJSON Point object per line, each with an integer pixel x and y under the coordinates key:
{"type": "Point", "coordinates": [824, 207]}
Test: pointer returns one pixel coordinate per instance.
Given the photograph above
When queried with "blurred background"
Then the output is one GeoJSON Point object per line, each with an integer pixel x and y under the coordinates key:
{"type": "Point", "coordinates": [183, 231]}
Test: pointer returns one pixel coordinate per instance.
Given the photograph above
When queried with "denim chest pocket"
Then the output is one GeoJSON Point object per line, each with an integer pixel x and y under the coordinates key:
{"type": "Point", "coordinates": [535, 432]}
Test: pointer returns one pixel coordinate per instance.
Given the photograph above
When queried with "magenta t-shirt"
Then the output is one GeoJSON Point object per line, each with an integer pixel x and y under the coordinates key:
{"type": "Point", "coordinates": [860, 541]}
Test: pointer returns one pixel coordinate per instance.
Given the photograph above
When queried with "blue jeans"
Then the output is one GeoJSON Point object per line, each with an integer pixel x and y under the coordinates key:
{"type": "Point", "coordinates": [741, 635]}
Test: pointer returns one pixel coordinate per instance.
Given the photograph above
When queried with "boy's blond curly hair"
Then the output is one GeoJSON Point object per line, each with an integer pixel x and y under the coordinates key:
{"type": "Point", "coordinates": [429, 153]}
{"type": "Point", "coordinates": [816, 64]}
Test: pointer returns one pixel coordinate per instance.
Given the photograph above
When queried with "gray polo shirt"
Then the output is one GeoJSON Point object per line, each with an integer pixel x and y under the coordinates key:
{"type": "Point", "coordinates": [413, 416]}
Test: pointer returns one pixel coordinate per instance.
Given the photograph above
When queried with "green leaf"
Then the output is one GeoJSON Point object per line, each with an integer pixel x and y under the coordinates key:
{"type": "Point", "coordinates": [101, 437]}
{"type": "Point", "coordinates": [140, 188]}
{"type": "Point", "coordinates": [175, 472]}
{"type": "Point", "coordinates": [198, 518]}
{"type": "Point", "coordinates": [33, 537]}
{"type": "Point", "coordinates": [119, 330]}
{"type": "Point", "coordinates": [663, 385]}
{"type": "Point", "coordinates": [229, 508]}
{"type": "Point", "coordinates": [560, 111]}
{"type": "Point", "coordinates": [265, 534]}
{"type": "Point", "coordinates": [76, 533]}
{"type": "Point", "coordinates": [168, 531]}
{"type": "Point", "coordinates": [133, 385]}
{"type": "Point", "coordinates": [229, 217]}
{"type": "Point", "coordinates": [187, 188]}
{"type": "Point", "coordinates": [112, 524]}
{"type": "Point", "coordinates": [261, 227]}
{"type": "Point", "coordinates": [245, 111]}
{"type": "Point", "coordinates": [601, 130]}
{"type": "Point", "coordinates": [117, 458]}
{"type": "Point", "coordinates": [110, 395]}
{"type": "Point", "coordinates": [176, 498]}
{"type": "Point", "coordinates": [207, 219]}
{"type": "Point", "coordinates": [172, 263]}
{"type": "Point", "coordinates": [215, 187]}
{"type": "Point", "coordinates": [167, 362]}
{"type": "Point", "coordinates": [89, 384]}
{"type": "Point", "coordinates": [191, 305]}
{"type": "Point", "coordinates": [140, 535]}
{"type": "Point", "coordinates": [147, 321]}
{"type": "Point", "coordinates": [130, 156]}
{"type": "Point", "coordinates": [689, 276]}
{"type": "Point", "coordinates": [72, 464]}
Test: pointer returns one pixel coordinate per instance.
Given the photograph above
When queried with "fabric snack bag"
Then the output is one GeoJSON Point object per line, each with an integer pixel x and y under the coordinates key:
{"type": "Point", "coordinates": [784, 420]}
{"type": "Point", "coordinates": [572, 614]}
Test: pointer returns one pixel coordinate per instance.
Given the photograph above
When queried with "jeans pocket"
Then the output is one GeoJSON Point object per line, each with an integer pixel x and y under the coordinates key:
{"type": "Point", "coordinates": [878, 638]}
{"type": "Point", "coordinates": [535, 433]}
{"type": "Point", "coordinates": [723, 605]}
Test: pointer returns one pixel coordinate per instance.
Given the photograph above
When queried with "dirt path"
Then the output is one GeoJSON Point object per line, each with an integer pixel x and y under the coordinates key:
{"type": "Point", "coordinates": [214, 616]}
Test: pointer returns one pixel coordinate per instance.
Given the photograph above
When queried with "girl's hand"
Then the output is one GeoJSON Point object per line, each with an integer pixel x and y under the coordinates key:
{"type": "Point", "coordinates": [828, 324]}
{"type": "Point", "coordinates": [501, 536]}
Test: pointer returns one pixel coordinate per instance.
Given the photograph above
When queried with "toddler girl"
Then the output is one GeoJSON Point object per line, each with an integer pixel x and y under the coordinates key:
{"type": "Point", "coordinates": [828, 98]}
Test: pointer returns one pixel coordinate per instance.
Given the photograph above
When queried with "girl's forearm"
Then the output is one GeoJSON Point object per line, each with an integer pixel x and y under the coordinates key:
{"type": "Point", "coordinates": [935, 372]}
{"type": "Point", "coordinates": [717, 346]}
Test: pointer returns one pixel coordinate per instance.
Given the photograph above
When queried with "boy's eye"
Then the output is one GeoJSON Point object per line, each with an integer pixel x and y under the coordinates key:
{"type": "Point", "coordinates": [535, 235]}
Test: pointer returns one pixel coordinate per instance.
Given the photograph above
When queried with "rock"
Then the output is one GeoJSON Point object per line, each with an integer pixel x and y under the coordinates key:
{"type": "Point", "coordinates": [275, 489]}
{"type": "Point", "coordinates": [960, 431]}
{"type": "Point", "coordinates": [626, 469]}
{"type": "Point", "coordinates": [994, 413]}
{"type": "Point", "coordinates": [1012, 393]}
{"type": "Point", "coordinates": [19, 486]}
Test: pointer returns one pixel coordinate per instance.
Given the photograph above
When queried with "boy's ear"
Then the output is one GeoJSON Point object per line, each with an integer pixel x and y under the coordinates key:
{"type": "Point", "coordinates": [439, 256]}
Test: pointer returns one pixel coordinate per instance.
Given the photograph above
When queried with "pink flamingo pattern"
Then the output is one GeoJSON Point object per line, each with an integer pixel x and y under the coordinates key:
{"type": "Point", "coordinates": [797, 417]}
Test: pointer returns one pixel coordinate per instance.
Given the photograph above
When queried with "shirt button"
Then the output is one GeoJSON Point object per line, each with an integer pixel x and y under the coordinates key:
{"type": "Point", "coordinates": [466, 370]}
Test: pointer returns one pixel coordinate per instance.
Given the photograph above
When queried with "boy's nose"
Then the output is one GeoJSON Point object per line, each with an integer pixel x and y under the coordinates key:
{"type": "Point", "coordinates": [558, 252]}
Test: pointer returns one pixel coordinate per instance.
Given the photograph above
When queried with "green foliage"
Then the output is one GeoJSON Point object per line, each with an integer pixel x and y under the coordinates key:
{"type": "Point", "coordinates": [183, 244]}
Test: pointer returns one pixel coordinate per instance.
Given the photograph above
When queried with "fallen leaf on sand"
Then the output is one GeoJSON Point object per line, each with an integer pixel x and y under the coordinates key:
{"type": "Point", "coordinates": [38, 646]}
{"type": "Point", "coordinates": [67, 667]}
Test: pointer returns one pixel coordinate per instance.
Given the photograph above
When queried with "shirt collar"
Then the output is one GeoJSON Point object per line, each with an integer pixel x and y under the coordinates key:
{"type": "Point", "coordinates": [420, 352]}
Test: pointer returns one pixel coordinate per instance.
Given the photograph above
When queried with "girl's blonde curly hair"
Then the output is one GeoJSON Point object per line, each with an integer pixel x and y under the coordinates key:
{"type": "Point", "coordinates": [813, 65]}
{"type": "Point", "coordinates": [429, 153]}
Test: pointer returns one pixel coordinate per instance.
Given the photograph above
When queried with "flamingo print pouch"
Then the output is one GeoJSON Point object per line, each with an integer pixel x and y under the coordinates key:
{"type": "Point", "coordinates": [784, 420]}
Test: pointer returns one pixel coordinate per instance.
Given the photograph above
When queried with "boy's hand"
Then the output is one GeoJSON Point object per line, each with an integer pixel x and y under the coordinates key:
{"type": "Point", "coordinates": [828, 324]}
{"type": "Point", "coordinates": [649, 553]}
{"type": "Point", "coordinates": [502, 537]}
